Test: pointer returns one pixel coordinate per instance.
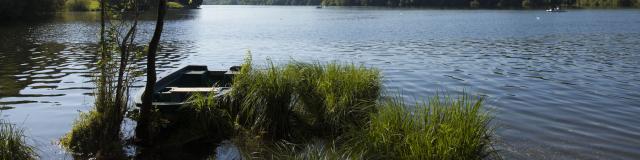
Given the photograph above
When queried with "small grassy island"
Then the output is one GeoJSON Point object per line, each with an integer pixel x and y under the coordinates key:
{"type": "Point", "coordinates": [337, 111]}
{"type": "Point", "coordinates": [310, 111]}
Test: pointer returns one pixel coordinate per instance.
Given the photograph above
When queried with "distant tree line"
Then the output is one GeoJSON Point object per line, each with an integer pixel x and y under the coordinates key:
{"type": "Point", "coordinates": [147, 4]}
{"type": "Point", "coordinates": [15, 9]}
{"type": "Point", "coordinates": [20, 9]}
{"type": "Point", "coordinates": [186, 3]}
{"type": "Point", "coordinates": [442, 3]}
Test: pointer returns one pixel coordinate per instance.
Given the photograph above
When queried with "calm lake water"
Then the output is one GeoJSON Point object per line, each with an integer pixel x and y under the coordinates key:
{"type": "Point", "coordinates": [561, 85]}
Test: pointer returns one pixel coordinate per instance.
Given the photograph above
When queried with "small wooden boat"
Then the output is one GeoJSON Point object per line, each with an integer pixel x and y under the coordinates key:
{"type": "Point", "coordinates": [173, 90]}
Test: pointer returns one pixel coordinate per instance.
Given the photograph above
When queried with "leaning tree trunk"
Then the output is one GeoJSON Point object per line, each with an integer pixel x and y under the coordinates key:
{"type": "Point", "coordinates": [144, 123]}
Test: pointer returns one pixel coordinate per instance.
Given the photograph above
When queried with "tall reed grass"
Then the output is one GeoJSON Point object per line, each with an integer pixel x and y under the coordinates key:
{"type": "Point", "coordinates": [442, 128]}
{"type": "Point", "coordinates": [13, 144]}
{"type": "Point", "coordinates": [323, 99]}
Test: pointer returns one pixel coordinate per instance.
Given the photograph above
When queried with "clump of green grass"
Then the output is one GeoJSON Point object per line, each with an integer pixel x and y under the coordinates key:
{"type": "Point", "coordinates": [324, 99]}
{"type": "Point", "coordinates": [266, 101]}
{"type": "Point", "coordinates": [443, 128]}
{"type": "Point", "coordinates": [87, 138]}
{"type": "Point", "coordinates": [175, 5]}
{"type": "Point", "coordinates": [81, 138]}
{"type": "Point", "coordinates": [336, 96]}
{"type": "Point", "coordinates": [209, 118]}
{"type": "Point", "coordinates": [13, 144]}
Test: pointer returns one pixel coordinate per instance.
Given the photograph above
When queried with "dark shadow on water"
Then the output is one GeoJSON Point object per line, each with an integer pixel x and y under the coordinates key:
{"type": "Point", "coordinates": [181, 134]}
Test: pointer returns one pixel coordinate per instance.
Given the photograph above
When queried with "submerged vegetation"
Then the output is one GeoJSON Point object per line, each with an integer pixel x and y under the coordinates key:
{"type": "Point", "coordinates": [13, 144]}
{"type": "Point", "coordinates": [335, 111]}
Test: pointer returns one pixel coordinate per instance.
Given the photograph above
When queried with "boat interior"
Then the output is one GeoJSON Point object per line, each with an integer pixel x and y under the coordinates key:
{"type": "Point", "coordinates": [177, 87]}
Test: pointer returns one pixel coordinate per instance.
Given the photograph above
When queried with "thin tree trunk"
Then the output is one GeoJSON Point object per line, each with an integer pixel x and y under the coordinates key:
{"type": "Point", "coordinates": [102, 28]}
{"type": "Point", "coordinates": [101, 99]}
{"type": "Point", "coordinates": [120, 88]}
{"type": "Point", "coordinates": [101, 96]}
{"type": "Point", "coordinates": [103, 59]}
{"type": "Point", "coordinates": [144, 124]}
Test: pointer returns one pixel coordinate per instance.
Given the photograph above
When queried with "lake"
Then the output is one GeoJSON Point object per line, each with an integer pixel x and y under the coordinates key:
{"type": "Point", "coordinates": [561, 85]}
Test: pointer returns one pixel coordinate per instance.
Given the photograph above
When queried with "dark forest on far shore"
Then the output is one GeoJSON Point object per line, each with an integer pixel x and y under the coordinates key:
{"type": "Point", "coordinates": [442, 3]}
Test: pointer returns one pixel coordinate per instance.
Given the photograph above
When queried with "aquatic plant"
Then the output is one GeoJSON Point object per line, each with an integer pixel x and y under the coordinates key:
{"type": "Point", "coordinates": [87, 138]}
{"type": "Point", "coordinates": [442, 128]}
{"type": "Point", "coordinates": [206, 118]}
{"type": "Point", "coordinates": [323, 99]}
{"type": "Point", "coordinates": [339, 96]}
{"type": "Point", "coordinates": [13, 144]}
{"type": "Point", "coordinates": [268, 101]}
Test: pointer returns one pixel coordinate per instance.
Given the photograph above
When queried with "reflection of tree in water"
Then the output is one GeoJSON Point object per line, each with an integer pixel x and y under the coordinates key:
{"type": "Point", "coordinates": [24, 62]}
{"type": "Point", "coordinates": [31, 69]}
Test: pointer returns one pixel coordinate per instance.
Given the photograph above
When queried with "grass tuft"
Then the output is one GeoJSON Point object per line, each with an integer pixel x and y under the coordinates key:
{"type": "Point", "coordinates": [442, 128]}
{"type": "Point", "coordinates": [337, 96]}
{"type": "Point", "coordinates": [13, 144]}
{"type": "Point", "coordinates": [86, 138]}
{"type": "Point", "coordinates": [325, 99]}
{"type": "Point", "coordinates": [210, 116]}
{"type": "Point", "coordinates": [84, 130]}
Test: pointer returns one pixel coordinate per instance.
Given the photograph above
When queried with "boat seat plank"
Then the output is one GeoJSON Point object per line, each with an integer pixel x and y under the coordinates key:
{"type": "Point", "coordinates": [194, 89]}
{"type": "Point", "coordinates": [195, 72]}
